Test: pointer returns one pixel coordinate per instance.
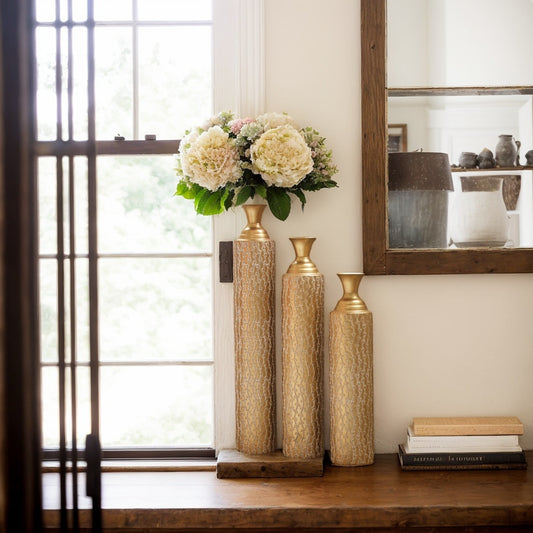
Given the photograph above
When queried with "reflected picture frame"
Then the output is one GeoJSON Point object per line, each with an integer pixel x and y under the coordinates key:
{"type": "Point", "coordinates": [397, 138]}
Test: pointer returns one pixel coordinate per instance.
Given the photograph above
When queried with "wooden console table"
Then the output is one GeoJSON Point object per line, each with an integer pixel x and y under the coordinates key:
{"type": "Point", "coordinates": [375, 498]}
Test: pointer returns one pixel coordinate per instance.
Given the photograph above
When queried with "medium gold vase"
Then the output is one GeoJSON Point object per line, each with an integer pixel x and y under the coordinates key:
{"type": "Point", "coordinates": [302, 355]}
{"type": "Point", "coordinates": [254, 316]}
{"type": "Point", "coordinates": [351, 378]}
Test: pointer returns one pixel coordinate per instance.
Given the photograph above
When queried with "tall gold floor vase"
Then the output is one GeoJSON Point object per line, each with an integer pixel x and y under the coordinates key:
{"type": "Point", "coordinates": [302, 355]}
{"type": "Point", "coordinates": [351, 378]}
{"type": "Point", "coordinates": [254, 315]}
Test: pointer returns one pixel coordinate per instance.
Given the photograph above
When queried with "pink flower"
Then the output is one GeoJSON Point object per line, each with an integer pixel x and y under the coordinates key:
{"type": "Point", "coordinates": [237, 124]}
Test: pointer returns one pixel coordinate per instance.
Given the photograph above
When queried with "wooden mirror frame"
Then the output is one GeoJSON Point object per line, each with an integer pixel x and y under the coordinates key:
{"type": "Point", "coordinates": [377, 257]}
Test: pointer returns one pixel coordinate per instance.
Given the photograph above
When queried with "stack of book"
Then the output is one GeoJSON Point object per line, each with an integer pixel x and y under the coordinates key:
{"type": "Point", "coordinates": [463, 443]}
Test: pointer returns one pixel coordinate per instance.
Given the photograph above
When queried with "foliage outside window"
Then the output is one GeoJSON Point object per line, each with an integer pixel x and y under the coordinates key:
{"type": "Point", "coordinates": [154, 253]}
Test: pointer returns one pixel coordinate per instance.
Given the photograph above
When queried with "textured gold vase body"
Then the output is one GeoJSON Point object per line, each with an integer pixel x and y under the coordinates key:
{"type": "Point", "coordinates": [302, 355]}
{"type": "Point", "coordinates": [351, 378]}
{"type": "Point", "coordinates": [254, 319]}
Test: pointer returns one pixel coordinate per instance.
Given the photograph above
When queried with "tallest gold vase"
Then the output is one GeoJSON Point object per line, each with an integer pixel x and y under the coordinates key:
{"type": "Point", "coordinates": [302, 355]}
{"type": "Point", "coordinates": [254, 315]}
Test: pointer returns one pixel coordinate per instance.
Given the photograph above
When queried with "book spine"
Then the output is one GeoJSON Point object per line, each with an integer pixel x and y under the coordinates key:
{"type": "Point", "coordinates": [462, 440]}
{"type": "Point", "coordinates": [442, 430]}
{"type": "Point", "coordinates": [469, 459]}
{"type": "Point", "coordinates": [462, 449]}
{"type": "Point", "coordinates": [507, 466]}
{"type": "Point", "coordinates": [467, 426]}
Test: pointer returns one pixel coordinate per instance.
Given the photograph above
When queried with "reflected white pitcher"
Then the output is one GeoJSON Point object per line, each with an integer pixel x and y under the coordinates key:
{"type": "Point", "coordinates": [479, 217]}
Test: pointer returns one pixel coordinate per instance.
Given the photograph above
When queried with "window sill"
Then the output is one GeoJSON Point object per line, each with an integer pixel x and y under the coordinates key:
{"type": "Point", "coordinates": [379, 496]}
{"type": "Point", "coordinates": [141, 465]}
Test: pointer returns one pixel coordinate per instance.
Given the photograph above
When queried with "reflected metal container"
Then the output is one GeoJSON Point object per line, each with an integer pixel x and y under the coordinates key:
{"type": "Point", "coordinates": [419, 185]}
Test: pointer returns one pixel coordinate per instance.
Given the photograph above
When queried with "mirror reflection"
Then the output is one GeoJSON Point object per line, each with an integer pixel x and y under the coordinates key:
{"type": "Point", "coordinates": [459, 85]}
{"type": "Point", "coordinates": [450, 43]}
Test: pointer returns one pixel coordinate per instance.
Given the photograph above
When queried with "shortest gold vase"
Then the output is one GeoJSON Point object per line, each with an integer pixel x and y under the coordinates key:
{"type": "Point", "coordinates": [351, 378]}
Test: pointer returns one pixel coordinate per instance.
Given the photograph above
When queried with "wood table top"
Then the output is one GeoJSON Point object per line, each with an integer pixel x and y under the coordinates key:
{"type": "Point", "coordinates": [376, 496]}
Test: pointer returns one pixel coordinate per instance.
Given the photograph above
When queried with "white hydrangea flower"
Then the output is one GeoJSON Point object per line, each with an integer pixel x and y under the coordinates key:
{"type": "Point", "coordinates": [248, 133]}
{"type": "Point", "coordinates": [281, 156]}
{"type": "Point", "coordinates": [273, 120]}
{"type": "Point", "coordinates": [210, 159]}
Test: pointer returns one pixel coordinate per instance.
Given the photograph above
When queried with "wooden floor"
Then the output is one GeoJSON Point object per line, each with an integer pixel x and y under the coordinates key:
{"type": "Point", "coordinates": [381, 497]}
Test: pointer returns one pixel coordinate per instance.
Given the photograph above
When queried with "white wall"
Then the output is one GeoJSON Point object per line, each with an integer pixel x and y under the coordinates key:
{"type": "Point", "coordinates": [409, 39]}
{"type": "Point", "coordinates": [476, 52]}
{"type": "Point", "coordinates": [443, 345]}
{"type": "Point", "coordinates": [413, 112]}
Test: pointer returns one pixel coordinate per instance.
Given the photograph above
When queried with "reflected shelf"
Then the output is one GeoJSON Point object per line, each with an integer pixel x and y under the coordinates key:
{"type": "Point", "coordinates": [494, 169]}
{"type": "Point", "coordinates": [455, 91]}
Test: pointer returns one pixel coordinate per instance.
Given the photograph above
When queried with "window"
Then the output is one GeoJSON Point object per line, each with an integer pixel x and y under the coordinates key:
{"type": "Point", "coordinates": [126, 269]}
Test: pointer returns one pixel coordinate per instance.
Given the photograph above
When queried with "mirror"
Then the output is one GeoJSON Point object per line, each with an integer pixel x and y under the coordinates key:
{"type": "Point", "coordinates": [442, 119]}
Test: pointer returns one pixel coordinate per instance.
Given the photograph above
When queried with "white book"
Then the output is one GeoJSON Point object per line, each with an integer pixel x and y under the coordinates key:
{"type": "Point", "coordinates": [461, 443]}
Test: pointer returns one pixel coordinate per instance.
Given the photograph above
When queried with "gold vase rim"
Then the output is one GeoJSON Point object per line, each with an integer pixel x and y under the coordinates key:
{"type": "Point", "coordinates": [254, 231]}
{"type": "Point", "coordinates": [292, 239]}
{"type": "Point", "coordinates": [350, 301]}
{"type": "Point", "coordinates": [251, 207]}
{"type": "Point", "coordinates": [302, 263]}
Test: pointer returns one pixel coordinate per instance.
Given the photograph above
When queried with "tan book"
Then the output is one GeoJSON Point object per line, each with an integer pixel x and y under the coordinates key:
{"type": "Point", "coordinates": [468, 425]}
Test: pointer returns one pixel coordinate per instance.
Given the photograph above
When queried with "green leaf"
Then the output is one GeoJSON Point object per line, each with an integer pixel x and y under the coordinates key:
{"type": "Point", "coordinates": [279, 203]}
{"type": "Point", "coordinates": [213, 205]}
{"type": "Point", "coordinates": [199, 199]}
{"type": "Point", "coordinates": [210, 203]}
{"type": "Point", "coordinates": [228, 199]}
{"type": "Point", "coordinates": [261, 190]}
{"type": "Point", "coordinates": [183, 189]}
{"type": "Point", "coordinates": [243, 195]}
{"type": "Point", "coordinates": [300, 195]}
{"type": "Point", "coordinates": [223, 196]}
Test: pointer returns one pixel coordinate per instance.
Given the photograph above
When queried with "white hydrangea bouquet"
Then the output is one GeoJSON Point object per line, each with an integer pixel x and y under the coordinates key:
{"type": "Point", "coordinates": [228, 160]}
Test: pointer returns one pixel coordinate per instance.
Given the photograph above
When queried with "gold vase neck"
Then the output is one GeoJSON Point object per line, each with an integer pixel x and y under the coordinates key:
{"type": "Point", "coordinates": [350, 301]}
{"type": "Point", "coordinates": [253, 231]}
{"type": "Point", "coordinates": [302, 264]}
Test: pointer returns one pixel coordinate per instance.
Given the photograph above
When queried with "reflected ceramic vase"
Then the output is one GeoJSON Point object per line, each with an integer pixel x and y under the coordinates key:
{"type": "Point", "coordinates": [254, 315]}
{"type": "Point", "coordinates": [506, 151]}
{"type": "Point", "coordinates": [479, 215]}
{"type": "Point", "coordinates": [302, 355]}
{"type": "Point", "coordinates": [351, 384]}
